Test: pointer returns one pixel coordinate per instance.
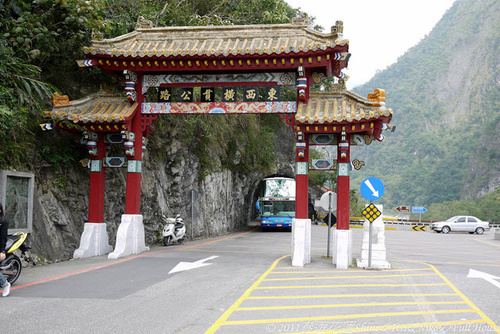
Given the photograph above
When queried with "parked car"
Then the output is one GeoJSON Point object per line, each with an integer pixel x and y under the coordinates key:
{"type": "Point", "coordinates": [461, 224]}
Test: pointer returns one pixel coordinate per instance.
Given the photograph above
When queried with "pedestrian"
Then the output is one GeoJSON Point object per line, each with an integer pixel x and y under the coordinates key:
{"type": "Point", "coordinates": [4, 226]}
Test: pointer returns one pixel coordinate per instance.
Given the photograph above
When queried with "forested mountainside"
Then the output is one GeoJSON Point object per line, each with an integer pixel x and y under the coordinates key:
{"type": "Point", "coordinates": [445, 94]}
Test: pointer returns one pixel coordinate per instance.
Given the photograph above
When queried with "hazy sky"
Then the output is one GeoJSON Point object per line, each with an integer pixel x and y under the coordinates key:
{"type": "Point", "coordinates": [379, 31]}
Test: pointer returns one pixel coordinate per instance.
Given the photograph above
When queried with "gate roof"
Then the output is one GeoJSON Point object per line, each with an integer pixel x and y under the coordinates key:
{"type": "Point", "coordinates": [209, 41]}
{"type": "Point", "coordinates": [98, 112]}
{"type": "Point", "coordinates": [343, 107]}
{"type": "Point", "coordinates": [186, 48]}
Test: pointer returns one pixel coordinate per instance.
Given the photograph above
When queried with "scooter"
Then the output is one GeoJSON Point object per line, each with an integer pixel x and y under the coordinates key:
{"type": "Point", "coordinates": [173, 230]}
{"type": "Point", "coordinates": [12, 265]}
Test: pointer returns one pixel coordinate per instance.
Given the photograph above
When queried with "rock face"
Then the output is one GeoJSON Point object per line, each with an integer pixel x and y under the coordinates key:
{"type": "Point", "coordinates": [223, 201]}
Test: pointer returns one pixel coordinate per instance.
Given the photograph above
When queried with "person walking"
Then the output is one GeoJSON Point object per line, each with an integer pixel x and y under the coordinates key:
{"type": "Point", "coordinates": [4, 227]}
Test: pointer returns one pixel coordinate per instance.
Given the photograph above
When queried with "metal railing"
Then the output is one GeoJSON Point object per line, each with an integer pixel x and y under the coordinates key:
{"type": "Point", "coordinates": [394, 221]}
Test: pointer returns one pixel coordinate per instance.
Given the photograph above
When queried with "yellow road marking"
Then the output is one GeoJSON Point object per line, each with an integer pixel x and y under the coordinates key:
{"type": "Point", "coordinates": [346, 316]}
{"type": "Point", "coordinates": [356, 295]}
{"type": "Point", "coordinates": [474, 307]}
{"type": "Point", "coordinates": [496, 244]}
{"type": "Point", "coordinates": [232, 308]}
{"type": "Point", "coordinates": [343, 286]}
{"type": "Point", "coordinates": [341, 277]}
{"type": "Point", "coordinates": [423, 326]}
{"type": "Point", "coordinates": [345, 271]}
{"type": "Point", "coordinates": [295, 307]}
{"type": "Point", "coordinates": [223, 320]}
{"type": "Point", "coordinates": [277, 251]}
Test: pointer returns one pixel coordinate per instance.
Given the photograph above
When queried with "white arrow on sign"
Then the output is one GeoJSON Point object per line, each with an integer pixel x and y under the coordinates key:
{"type": "Point", "coordinates": [182, 266]}
{"type": "Point", "coordinates": [487, 277]}
{"type": "Point", "coordinates": [369, 185]}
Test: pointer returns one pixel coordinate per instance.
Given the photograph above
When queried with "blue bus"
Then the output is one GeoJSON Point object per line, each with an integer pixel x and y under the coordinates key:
{"type": "Point", "coordinates": [276, 203]}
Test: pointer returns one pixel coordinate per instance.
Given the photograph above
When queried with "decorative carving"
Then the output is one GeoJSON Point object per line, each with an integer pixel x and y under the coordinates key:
{"type": "Point", "coordinates": [357, 164]}
{"type": "Point", "coordinates": [317, 77]}
{"type": "Point", "coordinates": [131, 79]}
{"type": "Point", "coordinates": [143, 23]}
{"type": "Point", "coordinates": [302, 20]}
{"type": "Point", "coordinates": [378, 95]}
{"type": "Point", "coordinates": [301, 84]}
{"type": "Point", "coordinates": [85, 162]}
{"type": "Point", "coordinates": [338, 28]}
{"type": "Point", "coordinates": [97, 35]}
{"type": "Point", "coordinates": [59, 99]}
{"type": "Point", "coordinates": [368, 139]}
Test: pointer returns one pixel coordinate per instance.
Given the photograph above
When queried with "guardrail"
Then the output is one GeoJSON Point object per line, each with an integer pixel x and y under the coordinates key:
{"type": "Point", "coordinates": [394, 221]}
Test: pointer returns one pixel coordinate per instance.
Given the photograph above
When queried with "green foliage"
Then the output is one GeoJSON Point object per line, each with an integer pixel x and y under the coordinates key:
{"type": "Point", "coordinates": [356, 204]}
{"type": "Point", "coordinates": [19, 81]}
{"type": "Point", "coordinates": [445, 147]}
{"type": "Point", "coordinates": [121, 16]}
{"type": "Point", "coordinates": [486, 208]}
{"type": "Point", "coordinates": [21, 93]}
{"type": "Point", "coordinates": [15, 149]}
{"type": "Point", "coordinates": [240, 143]}
{"type": "Point", "coordinates": [323, 178]}
{"type": "Point", "coordinates": [48, 29]}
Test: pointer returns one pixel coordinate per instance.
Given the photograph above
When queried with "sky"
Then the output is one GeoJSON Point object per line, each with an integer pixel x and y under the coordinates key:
{"type": "Point", "coordinates": [379, 31]}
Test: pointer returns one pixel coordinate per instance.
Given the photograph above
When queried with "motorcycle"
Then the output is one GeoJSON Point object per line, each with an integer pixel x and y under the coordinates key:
{"type": "Point", "coordinates": [12, 265]}
{"type": "Point", "coordinates": [173, 230]}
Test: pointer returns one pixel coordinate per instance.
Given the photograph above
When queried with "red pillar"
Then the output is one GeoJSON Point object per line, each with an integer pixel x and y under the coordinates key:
{"type": "Point", "coordinates": [301, 176]}
{"type": "Point", "coordinates": [134, 169]}
{"type": "Point", "coordinates": [97, 183]}
{"type": "Point", "coordinates": [343, 182]}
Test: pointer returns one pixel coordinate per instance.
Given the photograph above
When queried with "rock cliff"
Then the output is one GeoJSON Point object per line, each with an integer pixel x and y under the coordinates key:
{"type": "Point", "coordinates": [223, 202]}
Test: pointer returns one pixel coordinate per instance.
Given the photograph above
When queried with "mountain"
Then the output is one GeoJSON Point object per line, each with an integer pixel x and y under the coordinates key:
{"type": "Point", "coordinates": [445, 96]}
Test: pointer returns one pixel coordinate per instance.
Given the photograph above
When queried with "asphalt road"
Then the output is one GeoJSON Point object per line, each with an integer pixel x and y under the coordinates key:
{"type": "Point", "coordinates": [244, 283]}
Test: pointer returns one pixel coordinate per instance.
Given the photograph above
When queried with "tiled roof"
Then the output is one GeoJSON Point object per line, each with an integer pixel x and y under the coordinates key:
{"type": "Point", "coordinates": [344, 106]}
{"type": "Point", "coordinates": [278, 39]}
{"type": "Point", "coordinates": [97, 108]}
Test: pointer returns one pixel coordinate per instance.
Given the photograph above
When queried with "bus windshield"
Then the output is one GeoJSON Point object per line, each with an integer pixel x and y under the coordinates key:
{"type": "Point", "coordinates": [280, 188]}
{"type": "Point", "coordinates": [278, 209]}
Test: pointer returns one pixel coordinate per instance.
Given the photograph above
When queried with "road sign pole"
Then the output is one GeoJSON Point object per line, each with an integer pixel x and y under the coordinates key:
{"type": "Point", "coordinates": [370, 244]}
{"type": "Point", "coordinates": [192, 214]}
{"type": "Point", "coordinates": [329, 223]}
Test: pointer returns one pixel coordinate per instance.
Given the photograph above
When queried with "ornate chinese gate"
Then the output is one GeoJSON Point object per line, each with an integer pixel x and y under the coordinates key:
{"type": "Point", "coordinates": [217, 69]}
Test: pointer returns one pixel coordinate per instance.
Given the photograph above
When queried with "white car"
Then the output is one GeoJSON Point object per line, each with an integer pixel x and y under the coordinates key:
{"type": "Point", "coordinates": [461, 224]}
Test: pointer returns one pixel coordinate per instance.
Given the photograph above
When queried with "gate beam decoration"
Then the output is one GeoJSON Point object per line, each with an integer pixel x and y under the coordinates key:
{"type": "Point", "coordinates": [198, 59]}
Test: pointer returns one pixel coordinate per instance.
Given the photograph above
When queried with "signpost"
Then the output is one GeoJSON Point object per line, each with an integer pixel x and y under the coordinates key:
{"type": "Point", "coordinates": [372, 189]}
{"type": "Point", "coordinates": [403, 209]}
{"type": "Point", "coordinates": [419, 210]}
{"type": "Point", "coordinates": [329, 202]}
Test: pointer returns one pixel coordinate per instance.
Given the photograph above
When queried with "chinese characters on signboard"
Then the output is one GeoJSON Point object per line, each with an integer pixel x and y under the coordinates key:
{"type": "Point", "coordinates": [217, 94]}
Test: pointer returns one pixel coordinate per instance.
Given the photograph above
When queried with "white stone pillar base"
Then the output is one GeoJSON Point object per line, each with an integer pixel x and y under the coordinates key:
{"type": "Point", "coordinates": [130, 237]}
{"type": "Point", "coordinates": [93, 242]}
{"type": "Point", "coordinates": [342, 250]}
{"type": "Point", "coordinates": [301, 242]}
{"type": "Point", "coordinates": [378, 259]}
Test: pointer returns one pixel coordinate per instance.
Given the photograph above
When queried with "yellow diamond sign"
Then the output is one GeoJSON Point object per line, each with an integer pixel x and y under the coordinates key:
{"type": "Point", "coordinates": [371, 212]}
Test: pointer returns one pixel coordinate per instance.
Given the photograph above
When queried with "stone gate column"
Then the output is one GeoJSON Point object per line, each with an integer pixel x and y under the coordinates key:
{"type": "Point", "coordinates": [301, 224]}
{"type": "Point", "coordinates": [130, 238]}
{"type": "Point", "coordinates": [342, 256]}
{"type": "Point", "coordinates": [94, 240]}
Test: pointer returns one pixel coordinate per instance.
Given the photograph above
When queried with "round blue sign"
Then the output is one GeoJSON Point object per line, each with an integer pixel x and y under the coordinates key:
{"type": "Point", "coordinates": [372, 189]}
